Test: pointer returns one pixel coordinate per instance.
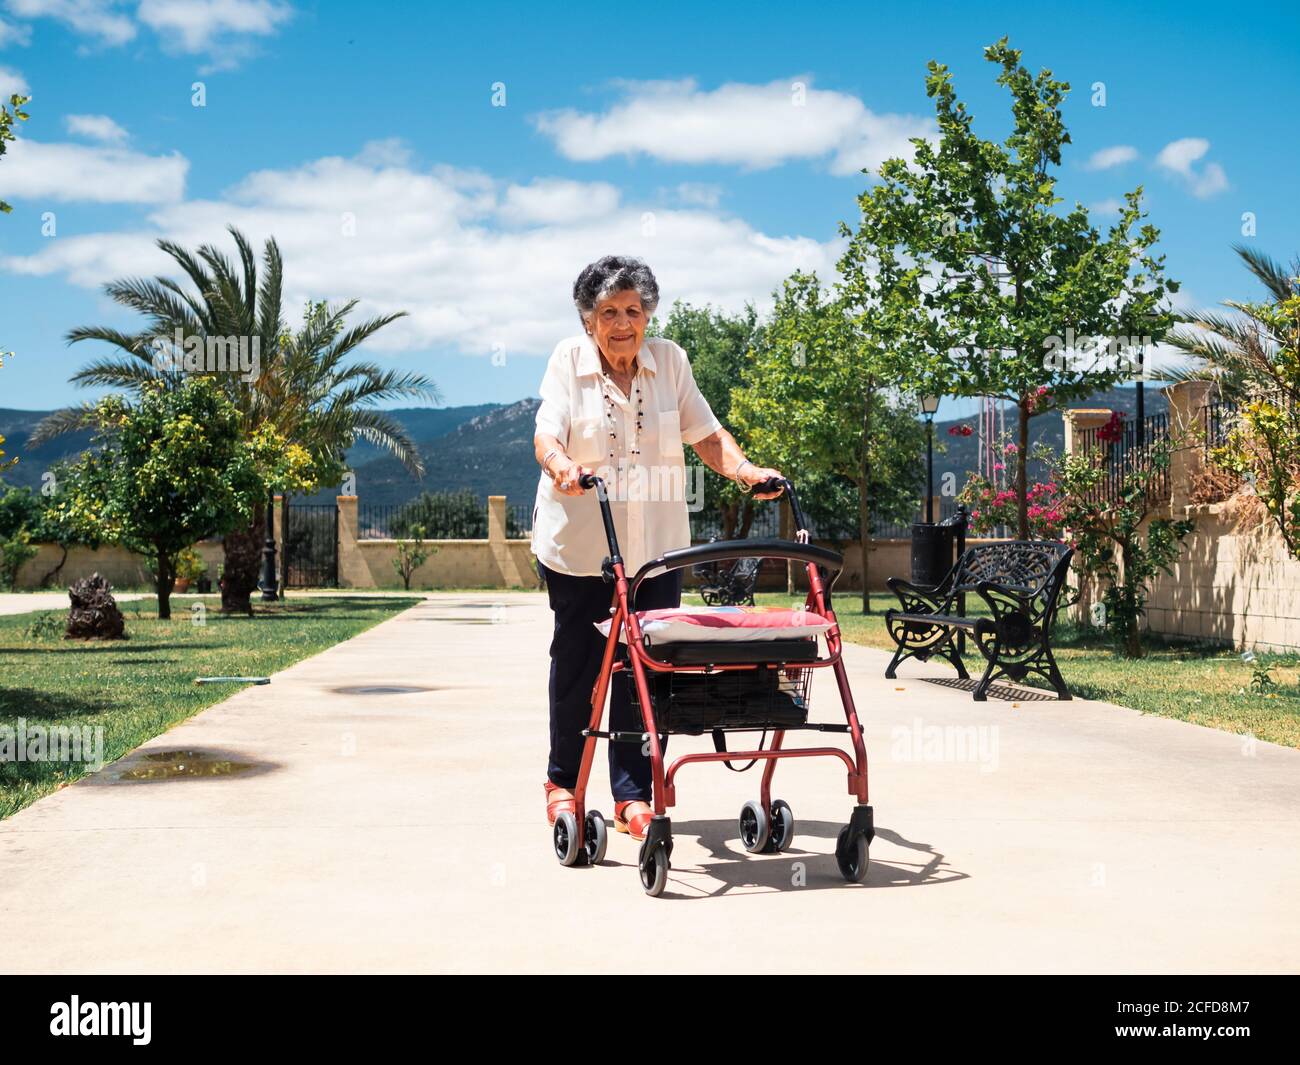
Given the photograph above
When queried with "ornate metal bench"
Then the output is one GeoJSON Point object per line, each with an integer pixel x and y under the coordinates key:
{"type": "Point", "coordinates": [1020, 581]}
{"type": "Point", "coordinates": [731, 586]}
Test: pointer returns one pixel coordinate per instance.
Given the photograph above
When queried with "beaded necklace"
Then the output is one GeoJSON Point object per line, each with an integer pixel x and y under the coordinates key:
{"type": "Point", "coordinates": [634, 450]}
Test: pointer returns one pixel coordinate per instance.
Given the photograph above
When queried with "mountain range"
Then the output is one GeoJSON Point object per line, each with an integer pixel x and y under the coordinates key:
{"type": "Point", "coordinates": [487, 449]}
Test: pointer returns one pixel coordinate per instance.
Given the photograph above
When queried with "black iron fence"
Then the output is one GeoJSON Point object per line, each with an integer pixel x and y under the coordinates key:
{"type": "Point", "coordinates": [311, 545]}
{"type": "Point", "coordinates": [1125, 448]}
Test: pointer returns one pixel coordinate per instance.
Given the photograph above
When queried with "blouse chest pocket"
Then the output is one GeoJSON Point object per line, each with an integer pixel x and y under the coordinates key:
{"type": "Point", "coordinates": [585, 440]}
{"type": "Point", "coordinates": [670, 434]}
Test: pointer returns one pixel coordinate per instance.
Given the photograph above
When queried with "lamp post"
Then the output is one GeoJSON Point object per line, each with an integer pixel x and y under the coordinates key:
{"type": "Point", "coordinates": [268, 581]}
{"type": "Point", "coordinates": [929, 407]}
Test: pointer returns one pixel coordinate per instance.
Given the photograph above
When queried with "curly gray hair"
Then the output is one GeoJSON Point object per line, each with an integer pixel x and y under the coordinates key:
{"type": "Point", "coordinates": [614, 273]}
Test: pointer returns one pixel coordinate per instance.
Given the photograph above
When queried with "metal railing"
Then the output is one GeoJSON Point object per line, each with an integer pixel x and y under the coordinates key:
{"type": "Point", "coordinates": [1123, 455]}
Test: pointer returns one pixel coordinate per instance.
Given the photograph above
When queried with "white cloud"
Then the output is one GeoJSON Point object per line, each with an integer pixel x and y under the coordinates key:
{"type": "Point", "coordinates": [1114, 156]}
{"type": "Point", "coordinates": [1179, 157]}
{"type": "Point", "coordinates": [1106, 207]}
{"type": "Point", "coordinates": [77, 173]}
{"type": "Point", "coordinates": [12, 82]}
{"type": "Point", "coordinates": [96, 127]}
{"type": "Point", "coordinates": [14, 33]}
{"type": "Point", "coordinates": [220, 30]}
{"type": "Point", "coordinates": [101, 19]}
{"type": "Point", "coordinates": [552, 201]}
{"type": "Point", "coordinates": [198, 26]}
{"type": "Point", "coordinates": [456, 248]}
{"type": "Point", "coordinates": [755, 126]}
{"type": "Point", "coordinates": [697, 194]}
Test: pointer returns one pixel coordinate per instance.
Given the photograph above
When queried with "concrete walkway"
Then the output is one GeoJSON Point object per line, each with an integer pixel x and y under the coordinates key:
{"type": "Point", "coordinates": [372, 830]}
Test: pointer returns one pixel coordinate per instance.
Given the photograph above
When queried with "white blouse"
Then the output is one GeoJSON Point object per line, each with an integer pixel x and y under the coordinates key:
{"type": "Point", "coordinates": [598, 426]}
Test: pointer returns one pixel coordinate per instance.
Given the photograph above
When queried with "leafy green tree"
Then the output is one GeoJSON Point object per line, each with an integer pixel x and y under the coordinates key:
{"type": "Point", "coordinates": [813, 403]}
{"type": "Point", "coordinates": [1254, 356]}
{"type": "Point", "coordinates": [306, 390]}
{"type": "Point", "coordinates": [169, 470]}
{"type": "Point", "coordinates": [7, 120]}
{"type": "Point", "coordinates": [717, 344]}
{"type": "Point", "coordinates": [998, 280]}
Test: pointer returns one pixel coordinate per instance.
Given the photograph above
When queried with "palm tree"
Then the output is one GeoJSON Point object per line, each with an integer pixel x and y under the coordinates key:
{"type": "Point", "coordinates": [1238, 348]}
{"type": "Point", "coordinates": [1253, 356]}
{"type": "Point", "coordinates": [305, 389]}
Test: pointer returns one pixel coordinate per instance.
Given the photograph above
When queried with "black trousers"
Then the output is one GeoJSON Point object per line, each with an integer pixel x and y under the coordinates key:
{"type": "Point", "coordinates": [577, 648]}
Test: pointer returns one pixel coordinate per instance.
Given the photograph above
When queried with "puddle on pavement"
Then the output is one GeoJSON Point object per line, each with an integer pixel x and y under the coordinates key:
{"type": "Point", "coordinates": [383, 689]}
{"type": "Point", "coordinates": [169, 765]}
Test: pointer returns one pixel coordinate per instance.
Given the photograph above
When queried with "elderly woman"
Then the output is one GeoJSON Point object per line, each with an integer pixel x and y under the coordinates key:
{"type": "Point", "coordinates": [622, 405]}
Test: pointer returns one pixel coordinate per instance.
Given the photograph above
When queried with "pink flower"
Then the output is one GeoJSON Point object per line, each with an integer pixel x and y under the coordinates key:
{"type": "Point", "coordinates": [999, 466]}
{"type": "Point", "coordinates": [1012, 449]}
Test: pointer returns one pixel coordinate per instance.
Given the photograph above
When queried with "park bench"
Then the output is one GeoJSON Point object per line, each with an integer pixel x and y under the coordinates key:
{"type": "Point", "coordinates": [1021, 583]}
{"type": "Point", "coordinates": [728, 585]}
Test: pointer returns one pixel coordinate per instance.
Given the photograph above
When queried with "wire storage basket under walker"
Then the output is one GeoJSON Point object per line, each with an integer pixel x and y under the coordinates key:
{"type": "Point", "coordinates": [705, 682]}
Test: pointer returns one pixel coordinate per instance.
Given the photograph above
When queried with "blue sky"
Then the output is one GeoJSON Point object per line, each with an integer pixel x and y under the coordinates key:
{"type": "Point", "coordinates": [364, 137]}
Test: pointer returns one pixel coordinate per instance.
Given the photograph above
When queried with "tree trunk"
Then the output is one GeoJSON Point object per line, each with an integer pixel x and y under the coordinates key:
{"type": "Point", "coordinates": [50, 577]}
{"type": "Point", "coordinates": [746, 520]}
{"type": "Point", "coordinates": [1132, 623]}
{"type": "Point", "coordinates": [1022, 473]}
{"type": "Point", "coordinates": [166, 582]}
{"type": "Point", "coordinates": [864, 503]}
{"type": "Point", "coordinates": [242, 559]}
{"type": "Point", "coordinates": [729, 521]}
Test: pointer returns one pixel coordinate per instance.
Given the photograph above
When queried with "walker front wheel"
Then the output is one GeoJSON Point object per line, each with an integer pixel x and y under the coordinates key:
{"type": "Point", "coordinates": [753, 827]}
{"type": "Point", "coordinates": [782, 825]}
{"type": "Point", "coordinates": [653, 865]}
{"type": "Point", "coordinates": [852, 855]}
{"type": "Point", "coordinates": [597, 837]}
{"type": "Point", "coordinates": [567, 839]}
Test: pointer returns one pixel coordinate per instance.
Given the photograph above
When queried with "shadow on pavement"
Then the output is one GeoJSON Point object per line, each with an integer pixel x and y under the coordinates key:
{"type": "Point", "coordinates": [794, 869]}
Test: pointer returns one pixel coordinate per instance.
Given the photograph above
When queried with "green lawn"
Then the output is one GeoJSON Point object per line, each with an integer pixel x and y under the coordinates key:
{"type": "Point", "coordinates": [140, 687]}
{"type": "Point", "coordinates": [1204, 684]}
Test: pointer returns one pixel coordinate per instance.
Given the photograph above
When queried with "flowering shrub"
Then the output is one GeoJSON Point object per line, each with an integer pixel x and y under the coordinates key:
{"type": "Point", "coordinates": [960, 430]}
{"type": "Point", "coordinates": [992, 504]}
{"type": "Point", "coordinates": [1113, 430]}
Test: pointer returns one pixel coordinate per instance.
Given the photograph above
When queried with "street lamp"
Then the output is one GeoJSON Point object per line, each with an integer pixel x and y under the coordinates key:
{"type": "Point", "coordinates": [929, 407]}
{"type": "Point", "coordinates": [268, 581]}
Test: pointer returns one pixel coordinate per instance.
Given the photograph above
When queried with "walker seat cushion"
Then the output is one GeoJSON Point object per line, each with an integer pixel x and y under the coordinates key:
{"type": "Point", "coordinates": [736, 624]}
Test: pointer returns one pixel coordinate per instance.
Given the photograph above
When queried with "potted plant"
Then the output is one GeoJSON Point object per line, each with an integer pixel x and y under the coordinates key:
{"type": "Point", "coordinates": [189, 567]}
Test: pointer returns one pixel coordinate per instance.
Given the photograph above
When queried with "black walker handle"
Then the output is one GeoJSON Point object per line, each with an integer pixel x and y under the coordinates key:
{"type": "Point", "coordinates": [778, 484]}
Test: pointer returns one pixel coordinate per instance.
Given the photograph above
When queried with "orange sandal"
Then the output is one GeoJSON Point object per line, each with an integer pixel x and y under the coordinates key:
{"type": "Point", "coordinates": [558, 801]}
{"type": "Point", "coordinates": [635, 825]}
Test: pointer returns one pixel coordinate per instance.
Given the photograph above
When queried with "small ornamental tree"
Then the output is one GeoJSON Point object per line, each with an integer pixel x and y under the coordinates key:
{"type": "Point", "coordinates": [1001, 282]}
{"type": "Point", "coordinates": [412, 554]}
{"type": "Point", "coordinates": [170, 470]}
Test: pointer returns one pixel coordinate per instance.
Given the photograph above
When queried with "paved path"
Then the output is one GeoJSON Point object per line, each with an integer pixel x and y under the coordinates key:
{"type": "Point", "coordinates": [385, 831]}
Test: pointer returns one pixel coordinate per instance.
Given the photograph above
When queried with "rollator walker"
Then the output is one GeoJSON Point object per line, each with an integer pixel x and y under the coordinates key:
{"type": "Point", "coordinates": [720, 687]}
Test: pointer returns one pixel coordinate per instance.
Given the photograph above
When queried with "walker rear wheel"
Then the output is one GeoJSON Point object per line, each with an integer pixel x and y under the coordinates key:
{"type": "Point", "coordinates": [852, 855]}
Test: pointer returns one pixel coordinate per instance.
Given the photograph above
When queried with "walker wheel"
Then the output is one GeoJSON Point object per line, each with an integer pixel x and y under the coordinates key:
{"type": "Point", "coordinates": [568, 843]}
{"type": "Point", "coordinates": [753, 827]}
{"type": "Point", "coordinates": [653, 864]}
{"type": "Point", "coordinates": [851, 855]}
{"type": "Point", "coordinates": [782, 830]}
{"type": "Point", "coordinates": [597, 837]}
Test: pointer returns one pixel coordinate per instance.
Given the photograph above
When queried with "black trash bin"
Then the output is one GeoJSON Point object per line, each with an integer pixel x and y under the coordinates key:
{"type": "Point", "coordinates": [932, 551]}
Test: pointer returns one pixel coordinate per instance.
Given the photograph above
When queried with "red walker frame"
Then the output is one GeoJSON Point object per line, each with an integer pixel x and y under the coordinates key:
{"type": "Point", "coordinates": [583, 846]}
